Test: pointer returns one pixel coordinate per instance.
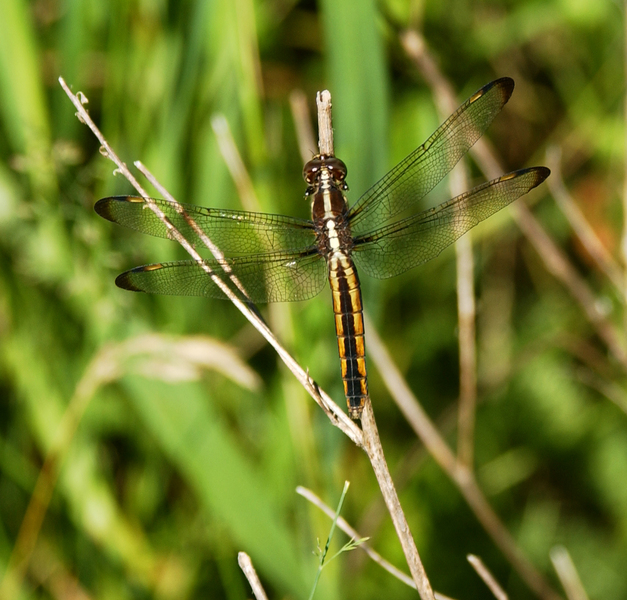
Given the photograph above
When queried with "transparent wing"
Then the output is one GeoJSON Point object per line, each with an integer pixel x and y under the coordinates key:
{"type": "Point", "coordinates": [276, 277]}
{"type": "Point", "coordinates": [425, 167]}
{"type": "Point", "coordinates": [393, 249]}
{"type": "Point", "coordinates": [233, 232]}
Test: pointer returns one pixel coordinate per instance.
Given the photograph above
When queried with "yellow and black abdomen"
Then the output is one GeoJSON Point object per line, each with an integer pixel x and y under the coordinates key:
{"type": "Point", "coordinates": [349, 327]}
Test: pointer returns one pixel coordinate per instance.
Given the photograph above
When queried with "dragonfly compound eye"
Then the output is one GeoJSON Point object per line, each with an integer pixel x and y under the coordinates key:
{"type": "Point", "coordinates": [311, 170]}
{"type": "Point", "coordinates": [337, 168]}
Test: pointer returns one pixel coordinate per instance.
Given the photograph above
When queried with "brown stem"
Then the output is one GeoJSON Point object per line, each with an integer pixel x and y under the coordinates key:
{"type": "Point", "coordinates": [372, 446]}
{"type": "Point", "coordinates": [458, 473]}
{"type": "Point", "coordinates": [325, 123]}
{"type": "Point", "coordinates": [246, 565]}
{"type": "Point", "coordinates": [372, 442]}
{"type": "Point", "coordinates": [488, 578]}
{"type": "Point", "coordinates": [467, 343]}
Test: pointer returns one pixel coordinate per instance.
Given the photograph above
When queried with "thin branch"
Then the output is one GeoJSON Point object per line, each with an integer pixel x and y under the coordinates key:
{"type": "Point", "coordinates": [467, 351]}
{"type": "Point", "coordinates": [215, 251]}
{"type": "Point", "coordinates": [580, 226]}
{"type": "Point", "coordinates": [302, 123]}
{"type": "Point", "coordinates": [488, 578]}
{"type": "Point", "coordinates": [325, 124]}
{"type": "Point", "coordinates": [234, 162]}
{"type": "Point", "coordinates": [372, 445]}
{"type": "Point", "coordinates": [332, 410]}
{"type": "Point", "coordinates": [463, 477]}
{"type": "Point", "coordinates": [554, 259]}
{"type": "Point", "coordinates": [567, 573]}
{"type": "Point", "coordinates": [246, 565]}
{"type": "Point", "coordinates": [444, 95]}
{"type": "Point", "coordinates": [365, 546]}
{"type": "Point", "coordinates": [467, 343]}
{"type": "Point", "coordinates": [353, 533]}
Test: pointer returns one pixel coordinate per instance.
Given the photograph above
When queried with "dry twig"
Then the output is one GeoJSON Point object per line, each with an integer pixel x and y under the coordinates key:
{"type": "Point", "coordinates": [466, 339]}
{"type": "Point", "coordinates": [460, 474]}
{"type": "Point", "coordinates": [302, 122]}
{"type": "Point", "coordinates": [488, 578]}
{"type": "Point", "coordinates": [580, 226]}
{"type": "Point", "coordinates": [246, 565]}
{"type": "Point", "coordinates": [567, 573]}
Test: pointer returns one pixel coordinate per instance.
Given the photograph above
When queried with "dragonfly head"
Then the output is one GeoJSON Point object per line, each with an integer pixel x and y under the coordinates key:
{"type": "Point", "coordinates": [323, 167]}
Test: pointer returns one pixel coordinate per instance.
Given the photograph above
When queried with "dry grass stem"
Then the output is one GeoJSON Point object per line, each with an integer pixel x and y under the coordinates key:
{"type": "Point", "coordinates": [246, 565]}
{"type": "Point", "coordinates": [488, 578]}
{"type": "Point", "coordinates": [353, 533]}
{"type": "Point", "coordinates": [462, 476]}
{"type": "Point", "coordinates": [467, 351]}
{"type": "Point", "coordinates": [234, 163]}
{"type": "Point", "coordinates": [325, 123]}
{"type": "Point", "coordinates": [466, 315]}
{"type": "Point", "coordinates": [580, 226]}
{"type": "Point", "coordinates": [444, 96]}
{"type": "Point", "coordinates": [302, 122]}
{"type": "Point", "coordinates": [215, 251]}
{"type": "Point", "coordinates": [372, 445]}
{"type": "Point", "coordinates": [567, 573]}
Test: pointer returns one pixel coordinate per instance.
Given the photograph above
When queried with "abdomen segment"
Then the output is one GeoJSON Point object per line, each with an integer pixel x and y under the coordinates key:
{"type": "Point", "coordinates": [349, 327]}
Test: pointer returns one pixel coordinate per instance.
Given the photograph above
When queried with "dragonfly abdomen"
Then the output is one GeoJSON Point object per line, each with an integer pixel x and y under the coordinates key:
{"type": "Point", "coordinates": [349, 327]}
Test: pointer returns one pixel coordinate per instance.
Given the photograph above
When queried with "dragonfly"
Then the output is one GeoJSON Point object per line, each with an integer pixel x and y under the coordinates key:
{"type": "Point", "coordinates": [279, 258]}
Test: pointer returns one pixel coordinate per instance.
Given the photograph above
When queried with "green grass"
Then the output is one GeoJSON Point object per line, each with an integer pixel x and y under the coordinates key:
{"type": "Point", "coordinates": [165, 481]}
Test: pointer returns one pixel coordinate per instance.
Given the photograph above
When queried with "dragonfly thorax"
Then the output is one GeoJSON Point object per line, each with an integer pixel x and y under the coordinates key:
{"type": "Point", "coordinates": [325, 176]}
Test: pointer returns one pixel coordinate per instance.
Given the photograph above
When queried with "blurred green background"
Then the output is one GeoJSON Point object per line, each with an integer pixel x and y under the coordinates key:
{"type": "Point", "coordinates": [176, 466]}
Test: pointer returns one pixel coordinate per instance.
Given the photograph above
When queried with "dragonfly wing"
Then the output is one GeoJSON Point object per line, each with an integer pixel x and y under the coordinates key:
{"type": "Point", "coordinates": [276, 277]}
{"type": "Point", "coordinates": [232, 231]}
{"type": "Point", "coordinates": [394, 249]}
{"type": "Point", "coordinates": [425, 167]}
